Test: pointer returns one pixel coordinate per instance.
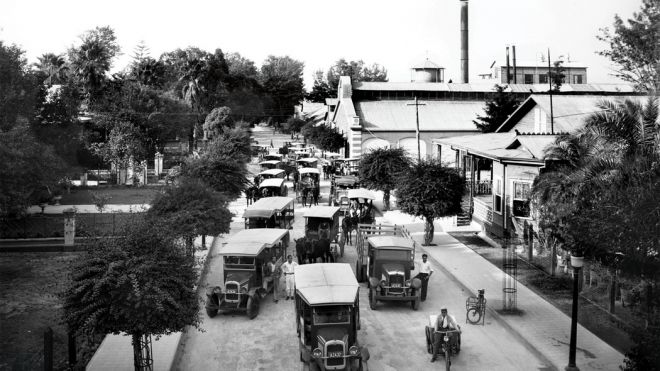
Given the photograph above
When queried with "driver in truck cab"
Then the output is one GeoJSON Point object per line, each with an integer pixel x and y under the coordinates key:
{"type": "Point", "coordinates": [446, 322]}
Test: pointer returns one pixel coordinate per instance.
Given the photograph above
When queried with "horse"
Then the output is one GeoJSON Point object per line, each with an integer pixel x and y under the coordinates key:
{"type": "Point", "coordinates": [315, 195]}
{"type": "Point", "coordinates": [323, 250]}
{"type": "Point", "coordinates": [348, 224]}
{"type": "Point", "coordinates": [304, 195]}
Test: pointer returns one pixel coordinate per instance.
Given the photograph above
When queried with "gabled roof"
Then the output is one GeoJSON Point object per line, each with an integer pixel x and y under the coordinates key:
{"type": "Point", "coordinates": [321, 212]}
{"type": "Point", "coordinates": [435, 115]}
{"type": "Point", "coordinates": [505, 147]}
{"type": "Point", "coordinates": [425, 64]}
{"type": "Point", "coordinates": [569, 111]}
{"type": "Point", "coordinates": [326, 283]}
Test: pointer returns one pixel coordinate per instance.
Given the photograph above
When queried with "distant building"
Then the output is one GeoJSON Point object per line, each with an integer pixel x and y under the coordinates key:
{"type": "Point", "coordinates": [427, 71]}
{"type": "Point", "coordinates": [534, 73]}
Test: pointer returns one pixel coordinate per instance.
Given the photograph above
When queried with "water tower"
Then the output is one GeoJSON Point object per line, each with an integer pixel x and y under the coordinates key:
{"type": "Point", "coordinates": [427, 71]}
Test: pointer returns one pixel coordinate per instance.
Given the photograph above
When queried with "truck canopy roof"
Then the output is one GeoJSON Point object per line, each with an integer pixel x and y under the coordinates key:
{"type": "Point", "coordinates": [391, 242]}
{"type": "Point", "coordinates": [326, 283]}
{"type": "Point", "coordinates": [361, 193]}
{"type": "Point", "coordinates": [266, 207]}
{"type": "Point", "coordinates": [250, 242]}
{"type": "Point", "coordinates": [273, 172]}
{"type": "Point", "coordinates": [308, 170]}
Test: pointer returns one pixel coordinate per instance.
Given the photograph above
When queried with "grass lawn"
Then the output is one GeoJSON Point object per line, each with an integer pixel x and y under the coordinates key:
{"type": "Point", "coordinates": [118, 195]}
{"type": "Point", "coordinates": [29, 303]}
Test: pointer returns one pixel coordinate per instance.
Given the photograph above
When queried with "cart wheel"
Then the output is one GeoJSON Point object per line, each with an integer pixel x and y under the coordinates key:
{"type": "Point", "coordinates": [473, 315]}
{"type": "Point", "coordinates": [358, 274]}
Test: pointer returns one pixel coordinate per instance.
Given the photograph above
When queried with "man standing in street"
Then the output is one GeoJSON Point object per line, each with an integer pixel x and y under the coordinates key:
{"type": "Point", "coordinates": [274, 271]}
{"type": "Point", "coordinates": [425, 272]}
{"type": "Point", "coordinates": [288, 269]}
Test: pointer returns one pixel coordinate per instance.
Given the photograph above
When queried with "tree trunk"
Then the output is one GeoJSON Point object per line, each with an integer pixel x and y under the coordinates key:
{"type": "Point", "coordinates": [429, 231]}
{"type": "Point", "coordinates": [190, 245]}
{"type": "Point", "coordinates": [386, 199]}
{"type": "Point", "coordinates": [142, 359]}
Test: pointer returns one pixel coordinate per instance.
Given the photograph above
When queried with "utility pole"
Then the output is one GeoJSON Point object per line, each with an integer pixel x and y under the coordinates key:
{"type": "Point", "coordinates": [417, 104]}
{"type": "Point", "coordinates": [552, 116]}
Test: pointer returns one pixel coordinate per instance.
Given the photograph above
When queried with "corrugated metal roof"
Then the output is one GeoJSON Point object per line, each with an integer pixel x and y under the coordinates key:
{"type": "Point", "coordinates": [435, 115]}
{"type": "Point", "coordinates": [535, 144]}
{"type": "Point", "coordinates": [326, 283]}
{"type": "Point", "coordinates": [490, 145]}
{"type": "Point", "coordinates": [488, 87]}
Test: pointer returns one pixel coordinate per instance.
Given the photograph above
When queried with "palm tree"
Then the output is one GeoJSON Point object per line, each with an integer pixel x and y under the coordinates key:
{"type": "Point", "coordinates": [193, 90]}
{"type": "Point", "coordinates": [54, 66]}
{"type": "Point", "coordinates": [596, 195]}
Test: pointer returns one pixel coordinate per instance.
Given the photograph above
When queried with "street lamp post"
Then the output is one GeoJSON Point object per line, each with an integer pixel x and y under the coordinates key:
{"type": "Point", "coordinates": [576, 262]}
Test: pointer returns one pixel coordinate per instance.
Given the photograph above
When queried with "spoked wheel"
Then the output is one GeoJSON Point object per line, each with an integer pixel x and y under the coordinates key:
{"type": "Point", "coordinates": [447, 358]}
{"type": "Point", "coordinates": [372, 299]}
{"type": "Point", "coordinates": [473, 315]}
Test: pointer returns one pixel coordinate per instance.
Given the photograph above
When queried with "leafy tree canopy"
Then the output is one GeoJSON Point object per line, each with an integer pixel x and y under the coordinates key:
{"type": "Point", "coordinates": [138, 282]}
{"type": "Point", "coordinates": [18, 88]}
{"type": "Point", "coordinates": [498, 108]}
{"type": "Point", "coordinates": [320, 90]}
{"type": "Point", "coordinates": [282, 80]}
{"type": "Point", "coordinates": [380, 169]}
{"type": "Point", "coordinates": [356, 70]}
{"type": "Point", "coordinates": [218, 120]}
{"type": "Point", "coordinates": [633, 47]}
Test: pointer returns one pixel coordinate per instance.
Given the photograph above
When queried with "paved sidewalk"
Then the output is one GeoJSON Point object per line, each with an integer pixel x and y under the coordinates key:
{"type": "Point", "coordinates": [543, 326]}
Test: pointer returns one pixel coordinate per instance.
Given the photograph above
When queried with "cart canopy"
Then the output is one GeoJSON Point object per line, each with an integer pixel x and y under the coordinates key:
{"type": "Point", "coordinates": [270, 162]}
{"type": "Point", "coordinates": [272, 172]}
{"type": "Point", "coordinates": [326, 283]}
{"type": "Point", "coordinates": [309, 170]}
{"type": "Point", "coordinates": [321, 212]}
{"type": "Point", "coordinates": [272, 182]}
{"type": "Point", "coordinates": [361, 193]}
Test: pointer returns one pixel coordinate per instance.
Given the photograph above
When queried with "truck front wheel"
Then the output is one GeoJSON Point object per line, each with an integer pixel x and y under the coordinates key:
{"type": "Point", "coordinates": [253, 307]}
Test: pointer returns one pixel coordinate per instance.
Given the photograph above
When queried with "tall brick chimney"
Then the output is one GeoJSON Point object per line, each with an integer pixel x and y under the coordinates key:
{"type": "Point", "coordinates": [464, 41]}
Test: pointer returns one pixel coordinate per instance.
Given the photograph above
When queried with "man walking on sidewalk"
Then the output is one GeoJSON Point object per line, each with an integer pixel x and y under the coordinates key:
{"type": "Point", "coordinates": [425, 272]}
{"type": "Point", "coordinates": [288, 269]}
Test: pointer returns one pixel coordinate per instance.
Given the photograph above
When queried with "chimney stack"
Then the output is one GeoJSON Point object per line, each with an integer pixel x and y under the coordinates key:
{"type": "Point", "coordinates": [464, 41]}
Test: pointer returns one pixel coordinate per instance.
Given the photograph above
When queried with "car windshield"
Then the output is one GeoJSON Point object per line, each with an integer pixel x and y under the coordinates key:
{"type": "Point", "coordinates": [332, 314]}
{"type": "Point", "coordinates": [239, 260]}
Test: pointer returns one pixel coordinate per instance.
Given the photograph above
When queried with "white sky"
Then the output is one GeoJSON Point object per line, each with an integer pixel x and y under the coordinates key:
{"type": "Point", "coordinates": [393, 33]}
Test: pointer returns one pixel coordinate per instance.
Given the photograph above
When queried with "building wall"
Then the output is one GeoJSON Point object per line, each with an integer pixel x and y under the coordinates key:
{"type": "Point", "coordinates": [394, 138]}
{"type": "Point", "coordinates": [526, 123]}
{"type": "Point", "coordinates": [521, 71]}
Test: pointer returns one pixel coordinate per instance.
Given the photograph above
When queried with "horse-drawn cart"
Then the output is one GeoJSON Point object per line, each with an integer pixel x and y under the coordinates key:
{"type": "Point", "coordinates": [321, 235]}
{"type": "Point", "coordinates": [308, 186]}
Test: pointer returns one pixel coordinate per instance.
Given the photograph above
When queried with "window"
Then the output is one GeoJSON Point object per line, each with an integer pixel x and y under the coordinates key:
{"type": "Point", "coordinates": [543, 78]}
{"type": "Point", "coordinates": [577, 79]}
{"type": "Point", "coordinates": [497, 203]}
{"type": "Point", "coordinates": [521, 195]}
{"type": "Point", "coordinates": [529, 78]}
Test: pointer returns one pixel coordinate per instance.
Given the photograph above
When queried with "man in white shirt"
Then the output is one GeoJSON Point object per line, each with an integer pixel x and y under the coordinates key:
{"type": "Point", "coordinates": [288, 268]}
{"type": "Point", "coordinates": [425, 272]}
{"type": "Point", "coordinates": [446, 322]}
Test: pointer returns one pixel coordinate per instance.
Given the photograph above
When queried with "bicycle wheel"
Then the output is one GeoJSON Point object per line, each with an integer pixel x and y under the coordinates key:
{"type": "Point", "coordinates": [473, 315]}
{"type": "Point", "coordinates": [447, 358]}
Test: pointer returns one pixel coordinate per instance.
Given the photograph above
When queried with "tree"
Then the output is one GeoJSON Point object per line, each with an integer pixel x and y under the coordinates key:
{"type": "Point", "coordinates": [557, 75]}
{"type": "Point", "coordinates": [218, 120]}
{"type": "Point", "coordinates": [27, 167]}
{"type": "Point", "coordinates": [634, 47]}
{"type": "Point", "coordinates": [241, 66]}
{"type": "Point", "coordinates": [189, 210]}
{"type": "Point", "coordinates": [233, 144]}
{"type": "Point", "coordinates": [498, 108]}
{"type": "Point", "coordinates": [93, 59]}
{"type": "Point", "coordinates": [357, 72]}
{"type": "Point", "coordinates": [18, 87]}
{"type": "Point", "coordinates": [293, 125]}
{"type": "Point", "coordinates": [282, 81]}
{"type": "Point", "coordinates": [323, 136]}
{"type": "Point", "coordinates": [124, 144]}
{"type": "Point", "coordinates": [139, 282]}
{"type": "Point", "coordinates": [429, 190]}
{"type": "Point", "coordinates": [320, 90]}
{"type": "Point", "coordinates": [55, 68]}
{"type": "Point", "coordinates": [380, 169]}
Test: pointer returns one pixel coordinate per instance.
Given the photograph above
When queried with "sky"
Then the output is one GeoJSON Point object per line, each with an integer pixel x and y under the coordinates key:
{"type": "Point", "coordinates": [392, 33]}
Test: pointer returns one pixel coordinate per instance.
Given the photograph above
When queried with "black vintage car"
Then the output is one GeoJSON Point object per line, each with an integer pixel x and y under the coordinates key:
{"type": "Point", "coordinates": [244, 256]}
{"type": "Point", "coordinates": [328, 317]}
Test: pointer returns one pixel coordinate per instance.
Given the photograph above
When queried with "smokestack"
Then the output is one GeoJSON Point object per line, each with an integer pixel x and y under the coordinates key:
{"type": "Point", "coordinates": [464, 41]}
{"type": "Point", "coordinates": [508, 74]}
{"type": "Point", "coordinates": [515, 74]}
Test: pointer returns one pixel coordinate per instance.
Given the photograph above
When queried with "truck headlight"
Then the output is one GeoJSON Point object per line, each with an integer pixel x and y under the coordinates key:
{"type": "Point", "coordinates": [353, 350]}
{"type": "Point", "coordinates": [317, 353]}
{"type": "Point", "coordinates": [383, 283]}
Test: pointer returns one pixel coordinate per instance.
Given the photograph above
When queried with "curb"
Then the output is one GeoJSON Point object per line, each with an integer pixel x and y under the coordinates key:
{"type": "Point", "coordinates": [496, 315]}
